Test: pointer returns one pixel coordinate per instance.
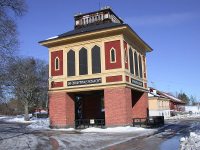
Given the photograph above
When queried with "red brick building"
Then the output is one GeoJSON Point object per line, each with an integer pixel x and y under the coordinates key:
{"type": "Point", "coordinates": [97, 71]}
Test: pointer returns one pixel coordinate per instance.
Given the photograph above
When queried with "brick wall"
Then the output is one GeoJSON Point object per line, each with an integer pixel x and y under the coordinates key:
{"type": "Point", "coordinates": [61, 109]}
{"type": "Point", "coordinates": [117, 106]}
{"type": "Point", "coordinates": [139, 104]}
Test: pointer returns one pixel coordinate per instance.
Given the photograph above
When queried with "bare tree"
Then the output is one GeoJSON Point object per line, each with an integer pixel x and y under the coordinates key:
{"type": "Point", "coordinates": [9, 11]}
{"type": "Point", "coordinates": [29, 82]}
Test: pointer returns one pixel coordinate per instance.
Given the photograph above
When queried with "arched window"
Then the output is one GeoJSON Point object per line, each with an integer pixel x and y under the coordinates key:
{"type": "Point", "coordinates": [96, 59]}
{"type": "Point", "coordinates": [112, 55]}
{"type": "Point", "coordinates": [136, 64]}
{"type": "Point", "coordinates": [57, 63]}
{"type": "Point", "coordinates": [71, 63]}
{"type": "Point", "coordinates": [131, 61]}
{"type": "Point", "coordinates": [83, 63]}
{"type": "Point", "coordinates": [140, 66]}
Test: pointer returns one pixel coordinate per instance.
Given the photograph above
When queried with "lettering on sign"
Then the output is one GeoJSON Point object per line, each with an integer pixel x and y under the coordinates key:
{"type": "Point", "coordinates": [136, 82]}
{"type": "Point", "coordinates": [84, 82]}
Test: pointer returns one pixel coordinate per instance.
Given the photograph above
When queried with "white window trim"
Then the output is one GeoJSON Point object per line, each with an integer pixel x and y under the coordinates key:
{"type": "Point", "coordinates": [57, 58]}
{"type": "Point", "coordinates": [111, 55]}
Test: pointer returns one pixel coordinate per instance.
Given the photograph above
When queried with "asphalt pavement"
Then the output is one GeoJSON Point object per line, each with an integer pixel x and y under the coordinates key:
{"type": "Point", "coordinates": [15, 136]}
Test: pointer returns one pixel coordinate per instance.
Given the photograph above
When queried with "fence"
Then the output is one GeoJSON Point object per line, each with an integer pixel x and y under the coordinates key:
{"type": "Point", "coordinates": [85, 123]}
{"type": "Point", "coordinates": [151, 122]}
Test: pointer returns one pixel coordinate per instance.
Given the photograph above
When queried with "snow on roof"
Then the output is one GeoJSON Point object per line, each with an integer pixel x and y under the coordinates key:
{"type": "Point", "coordinates": [154, 93]}
{"type": "Point", "coordinates": [157, 93]}
{"type": "Point", "coordinates": [52, 37]}
{"type": "Point", "coordinates": [172, 97]}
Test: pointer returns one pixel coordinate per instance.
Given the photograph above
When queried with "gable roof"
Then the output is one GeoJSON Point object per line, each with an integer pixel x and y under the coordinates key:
{"type": "Point", "coordinates": [93, 28]}
{"type": "Point", "coordinates": [164, 94]}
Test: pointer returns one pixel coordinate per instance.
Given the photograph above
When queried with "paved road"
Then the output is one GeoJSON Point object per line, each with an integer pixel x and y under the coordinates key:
{"type": "Point", "coordinates": [166, 138]}
{"type": "Point", "coordinates": [15, 136]}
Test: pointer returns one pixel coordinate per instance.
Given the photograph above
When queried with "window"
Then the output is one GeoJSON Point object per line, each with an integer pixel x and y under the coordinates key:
{"type": "Point", "coordinates": [131, 61]}
{"type": "Point", "coordinates": [112, 55]}
{"type": "Point", "coordinates": [83, 63]}
{"type": "Point", "coordinates": [136, 64]}
{"type": "Point", "coordinates": [96, 59]}
{"type": "Point", "coordinates": [57, 63]}
{"type": "Point", "coordinates": [125, 55]}
{"type": "Point", "coordinates": [71, 63]}
{"type": "Point", "coordinates": [140, 66]}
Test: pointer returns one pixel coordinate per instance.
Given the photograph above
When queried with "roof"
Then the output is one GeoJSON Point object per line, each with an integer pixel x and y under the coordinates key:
{"type": "Point", "coordinates": [93, 28]}
{"type": "Point", "coordinates": [90, 29]}
{"type": "Point", "coordinates": [164, 94]}
{"type": "Point", "coordinates": [85, 30]}
{"type": "Point", "coordinates": [173, 98]}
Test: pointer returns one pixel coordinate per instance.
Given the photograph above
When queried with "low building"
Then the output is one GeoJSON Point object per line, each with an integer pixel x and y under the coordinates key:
{"type": "Point", "coordinates": [163, 104]}
{"type": "Point", "coordinates": [158, 105]}
{"type": "Point", "coordinates": [97, 72]}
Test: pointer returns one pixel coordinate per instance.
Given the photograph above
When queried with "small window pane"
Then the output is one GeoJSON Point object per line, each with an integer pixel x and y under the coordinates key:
{"type": "Point", "coordinates": [57, 64]}
{"type": "Point", "coordinates": [83, 63]}
{"type": "Point", "coordinates": [71, 63]}
{"type": "Point", "coordinates": [96, 59]}
{"type": "Point", "coordinates": [140, 66]}
{"type": "Point", "coordinates": [136, 64]}
{"type": "Point", "coordinates": [113, 55]}
{"type": "Point", "coordinates": [131, 61]}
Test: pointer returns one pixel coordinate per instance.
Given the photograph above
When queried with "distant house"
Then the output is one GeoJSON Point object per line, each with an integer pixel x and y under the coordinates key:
{"type": "Point", "coordinates": [163, 104]}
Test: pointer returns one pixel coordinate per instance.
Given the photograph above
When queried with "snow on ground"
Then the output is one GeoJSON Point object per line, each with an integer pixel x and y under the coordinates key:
{"type": "Point", "coordinates": [185, 116]}
{"type": "Point", "coordinates": [19, 119]}
{"type": "Point", "coordinates": [39, 123]}
{"type": "Point", "coordinates": [2, 117]}
{"type": "Point", "coordinates": [35, 123]}
{"type": "Point", "coordinates": [190, 143]}
{"type": "Point", "coordinates": [43, 123]}
{"type": "Point", "coordinates": [64, 129]}
{"type": "Point", "coordinates": [114, 129]}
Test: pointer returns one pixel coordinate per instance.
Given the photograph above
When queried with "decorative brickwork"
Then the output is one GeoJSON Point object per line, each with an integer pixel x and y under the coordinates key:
{"type": "Point", "coordinates": [114, 78]}
{"type": "Point", "coordinates": [116, 46]}
{"type": "Point", "coordinates": [59, 55]}
{"type": "Point", "coordinates": [61, 109]}
{"type": "Point", "coordinates": [56, 84]}
{"type": "Point", "coordinates": [118, 106]}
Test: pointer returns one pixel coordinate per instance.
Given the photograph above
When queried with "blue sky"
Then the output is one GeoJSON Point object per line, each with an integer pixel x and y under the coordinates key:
{"type": "Point", "coordinates": [171, 28]}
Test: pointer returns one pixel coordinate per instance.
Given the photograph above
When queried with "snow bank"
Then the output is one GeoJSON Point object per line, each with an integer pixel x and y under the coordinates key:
{"type": "Point", "coordinates": [185, 116]}
{"type": "Point", "coordinates": [42, 123]}
{"type": "Point", "coordinates": [115, 129]}
{"type": "Point", "coordinates": [3, 117]}
{"type": "Point", "coordinates": [65, 129]}
{"type": "Point", "coordinates": [19, 119]}
{"type": "Point", "coordinates": [191, 142]}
